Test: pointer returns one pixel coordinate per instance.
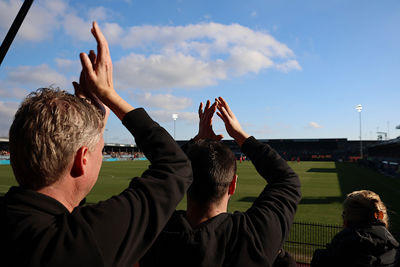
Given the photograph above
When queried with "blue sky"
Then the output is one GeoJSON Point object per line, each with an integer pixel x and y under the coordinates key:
{"type": "Point", "coordinates": [289, 69]}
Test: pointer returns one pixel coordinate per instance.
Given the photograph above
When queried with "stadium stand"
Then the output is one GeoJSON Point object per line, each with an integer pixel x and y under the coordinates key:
{"type": "Point", "coordinates": [385, 157]}
{"type": "Point", "coordinates": [4, 151]}
{"type": "Point", "coordinates": [4, 144]}
{"type": "Point", "coordinates": [330, 149]}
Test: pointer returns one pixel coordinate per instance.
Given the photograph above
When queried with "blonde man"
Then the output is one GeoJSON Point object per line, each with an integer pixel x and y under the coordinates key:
{"type": "Point", "coordinates": [56, 143]}
{"type": "Point", "coordinates": [365, 240]}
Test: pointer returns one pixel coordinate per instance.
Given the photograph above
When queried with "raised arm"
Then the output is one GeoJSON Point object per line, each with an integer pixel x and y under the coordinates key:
{"type": "Point", "coordinates": [124, 226]}
{"type": "Point", "coordinates": [97, 71]}
{"type": "Point", "coordinates": [269, 219]}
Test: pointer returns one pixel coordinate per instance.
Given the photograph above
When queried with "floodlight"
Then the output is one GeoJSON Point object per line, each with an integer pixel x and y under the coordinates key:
{"type": "Point", "coordinates": [174, 117]}
{"type": "Point", "coordinates": [359, 108]}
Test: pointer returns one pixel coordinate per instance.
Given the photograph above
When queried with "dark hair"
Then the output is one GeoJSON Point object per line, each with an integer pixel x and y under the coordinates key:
{"type": "Point", "coordinates": [214, 166]}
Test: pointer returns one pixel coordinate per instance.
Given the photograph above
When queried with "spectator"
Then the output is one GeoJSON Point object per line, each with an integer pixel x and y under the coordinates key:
{"type": "Point", "coordinates": [365, 239]}
{"type": "Point", "coordinates": [56, 141]}
{"type": "Point", "coordinates": [206, 234]}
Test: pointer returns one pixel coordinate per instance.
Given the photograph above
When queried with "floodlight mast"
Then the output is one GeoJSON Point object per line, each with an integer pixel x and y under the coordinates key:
{"type": "Point", "coordinates": [359, 108]}
{"type": "Point", "coordinates": [174, 117]}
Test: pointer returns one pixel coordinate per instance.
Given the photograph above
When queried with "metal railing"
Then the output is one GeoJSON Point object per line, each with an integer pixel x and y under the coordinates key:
{"type": "Point", "coordinates": [305, 238]}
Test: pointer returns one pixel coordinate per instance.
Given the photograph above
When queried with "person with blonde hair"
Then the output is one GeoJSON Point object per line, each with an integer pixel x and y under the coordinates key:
{"type": "Point", "coordinates": [365, 239]}
{"type": "Point", "coordinates": [364, 207]}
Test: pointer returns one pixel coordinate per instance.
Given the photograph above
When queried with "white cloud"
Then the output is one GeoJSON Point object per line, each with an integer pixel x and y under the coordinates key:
{"type": "Point", "coordinates": [160, 71]}
{"type": "Point", "coordinates": [113, 32]}
{"type": "Point", "coordinates": [12, 92]}
{"type": "Point", "coordinates": [9, 94]}
{"type": "Point", "coordinates": [38, 76]}
{"type": "Point", "coordinates": [161, 57]}
{"type": "Point", "coordinates": [189, 116]}
{"type": "Point", "coordinates": [7, 111]}
{"type": "Point", "coordinates": [194, 55]}
{"type": "Point", "coordinates": [98, 13]}
{"type": "Point", "coordinates": [67, 65]}
{"type": "Point", "coordinates": [288, 65]}
{"type": "Point", "coordinates": [8, 108]}
{"type": "Point", "coordinates": [55, 6]}
{"type": "Point", "coordinates": [243, 60]}
{"type": "Point", "coordinates": [8, 11]}
{"type": "Point", "coordinates": [47, 16]}
{"type": "Point", "coordinates": [40, 21]}
{"type": "Point", "coordinates": [314, 125]}
{"type": "Point", "coordinates": [220, 38]}
{"type": "Point", "coordinates": [166, 116]}
{"type": "Point", "coordinates": [77, 27]}
{"type": "Point", "coordinates": [163, 101]}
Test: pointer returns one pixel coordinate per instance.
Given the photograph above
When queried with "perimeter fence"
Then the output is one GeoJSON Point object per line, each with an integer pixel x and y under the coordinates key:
{"type": "Point", "coordinates": [305, 238]}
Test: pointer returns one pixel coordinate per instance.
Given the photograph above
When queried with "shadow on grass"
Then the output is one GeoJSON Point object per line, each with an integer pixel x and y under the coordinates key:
{"type": "Point", "coordinates": [354, 177]}
{"type": "Point", "coordinates": [327, 170]}
{"type": "Point", "coordinates": [304, 200]}
{"type": "Point", "coordinates": [247, 199]}
{"type": "Point", "coordinates": [321, 200]}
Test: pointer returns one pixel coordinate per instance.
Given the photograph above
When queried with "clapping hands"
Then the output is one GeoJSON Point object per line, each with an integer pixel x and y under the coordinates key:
{"type": "Point", "coordinates": [205, 125]}
{"type": "Point", "coordinates": [96, 81]}
{"type": "Point", "coordinates": [232, 125]}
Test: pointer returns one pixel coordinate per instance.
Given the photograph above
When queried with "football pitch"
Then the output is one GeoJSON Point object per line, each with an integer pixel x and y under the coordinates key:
{"type": "Point", "coordinates": [324, 187]}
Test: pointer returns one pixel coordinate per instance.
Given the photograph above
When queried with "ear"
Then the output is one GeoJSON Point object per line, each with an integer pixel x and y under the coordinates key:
{"type": "Point", "coordinates": [80, 162]}
{"type": "Point", "coordinates": [378, 215]}
{"type": "Point", "coordinates": [232, 185]}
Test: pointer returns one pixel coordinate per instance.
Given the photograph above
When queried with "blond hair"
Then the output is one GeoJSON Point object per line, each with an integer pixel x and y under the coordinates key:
{"type": "Point", "coordinates": [364, 207]}
{"type": "Point", "coordinates": [48, 129]}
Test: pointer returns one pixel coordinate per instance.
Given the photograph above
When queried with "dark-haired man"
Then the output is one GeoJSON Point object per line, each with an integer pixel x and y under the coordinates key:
{"type": "Point", "coordinates": [56, 143]}
{"type": "Point", "coordinates": [206, 235]}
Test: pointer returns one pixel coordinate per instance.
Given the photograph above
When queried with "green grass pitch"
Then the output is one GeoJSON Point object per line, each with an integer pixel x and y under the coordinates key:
{"type": "Point", "coordinates": [324, 187]}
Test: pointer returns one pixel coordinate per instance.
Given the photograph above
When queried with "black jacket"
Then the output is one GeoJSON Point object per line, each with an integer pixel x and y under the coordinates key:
{"type": "Point", "coordinates": [356, 247]}
{"type": "Point", "coordinates": [251, 238]}
{"type": "Point", "coordinates": [37, 230]}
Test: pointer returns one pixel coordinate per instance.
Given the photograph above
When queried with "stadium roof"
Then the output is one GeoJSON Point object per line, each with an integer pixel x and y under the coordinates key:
{"type": "Point", "coordinates": [390, 142]}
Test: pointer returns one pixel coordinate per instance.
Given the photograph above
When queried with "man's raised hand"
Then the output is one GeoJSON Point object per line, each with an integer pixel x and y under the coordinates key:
{"type": "Point", "coordinates": [232, 125]}
{"type": "Point", "coordinates": [97, 73]}
{"type": "Point", "coordinates": [82, 90]}
{"type": "Point", "coordinates": [98, 69]}
{"type": "Point", "coordinates": [205, 125]}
